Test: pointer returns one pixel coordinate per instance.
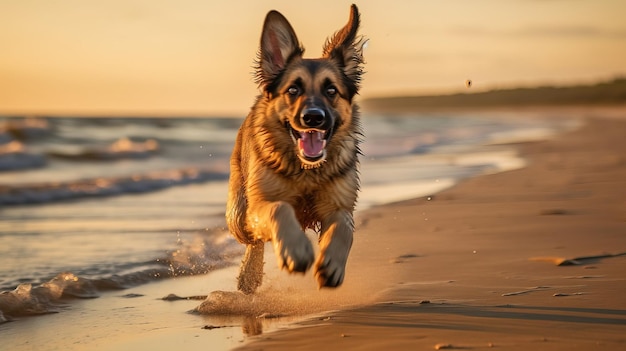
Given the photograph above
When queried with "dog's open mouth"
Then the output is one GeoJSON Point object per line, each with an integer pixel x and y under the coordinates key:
{"type": "Point", "coordinates": [311, 144]}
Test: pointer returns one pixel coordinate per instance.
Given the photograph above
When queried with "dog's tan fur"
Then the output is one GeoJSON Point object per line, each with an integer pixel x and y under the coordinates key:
{"type": "Point", "coordinates": [276, 189]}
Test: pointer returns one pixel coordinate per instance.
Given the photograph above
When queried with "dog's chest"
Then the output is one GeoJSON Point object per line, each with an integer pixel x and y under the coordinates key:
{"type": "Point", "coordinates": [304, 206]}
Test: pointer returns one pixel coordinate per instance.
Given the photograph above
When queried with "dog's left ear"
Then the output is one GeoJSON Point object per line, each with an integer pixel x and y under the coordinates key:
{"type": "Point", "coordinates": [345, 48]}
{"type": "Point", "coordinates": [279, 45]}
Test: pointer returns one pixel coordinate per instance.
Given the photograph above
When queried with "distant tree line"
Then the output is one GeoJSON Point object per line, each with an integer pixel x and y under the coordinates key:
{"type": "Point", "coordinates": [604, 93]}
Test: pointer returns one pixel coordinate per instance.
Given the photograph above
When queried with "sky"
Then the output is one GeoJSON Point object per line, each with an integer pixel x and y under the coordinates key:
{"type": "Point", "coordinates": [195, 57]}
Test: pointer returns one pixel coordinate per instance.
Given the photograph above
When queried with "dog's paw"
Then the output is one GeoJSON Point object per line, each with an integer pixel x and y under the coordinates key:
{"type": "Point", "coordinates": [329, 272]}
{"type": "Point", "coordinates": [294, 253]}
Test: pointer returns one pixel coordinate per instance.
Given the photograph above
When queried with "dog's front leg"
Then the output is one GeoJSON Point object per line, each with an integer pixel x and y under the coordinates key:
{"type": "Point", "coordinates": [335, 244]}
{"type": "Point", "coordinates": [276, 221]}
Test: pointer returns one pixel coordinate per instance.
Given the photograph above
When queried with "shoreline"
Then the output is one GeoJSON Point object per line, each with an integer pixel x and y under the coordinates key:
{"type": "Point", "coordinates": [422, 272]}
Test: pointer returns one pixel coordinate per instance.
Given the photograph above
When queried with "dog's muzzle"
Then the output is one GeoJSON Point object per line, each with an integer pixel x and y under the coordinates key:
{"type": "Point", "coordinates": [311, 141]}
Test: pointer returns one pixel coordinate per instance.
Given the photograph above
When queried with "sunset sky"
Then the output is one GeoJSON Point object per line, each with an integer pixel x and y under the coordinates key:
{"type": "Point", "coordinates": [195, 57]}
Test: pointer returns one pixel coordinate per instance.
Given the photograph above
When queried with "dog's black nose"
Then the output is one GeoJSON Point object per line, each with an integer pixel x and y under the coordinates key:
{"type": "Point", "coordinates": [313, 117]}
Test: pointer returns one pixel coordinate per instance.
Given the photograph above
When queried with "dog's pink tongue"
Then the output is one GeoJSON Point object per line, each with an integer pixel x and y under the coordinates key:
{"type": "Point", "coordinates": [312, 143]}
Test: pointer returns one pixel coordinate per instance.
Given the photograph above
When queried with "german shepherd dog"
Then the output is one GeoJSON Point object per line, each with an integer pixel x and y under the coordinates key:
{"type": "Point", "coordinates": [294, 163]}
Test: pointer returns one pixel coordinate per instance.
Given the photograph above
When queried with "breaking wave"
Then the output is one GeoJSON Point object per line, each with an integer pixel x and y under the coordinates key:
{"type": "Point", "coordinates": [22, 194]}
{"type": "Point", "coordinates": [201, 255]}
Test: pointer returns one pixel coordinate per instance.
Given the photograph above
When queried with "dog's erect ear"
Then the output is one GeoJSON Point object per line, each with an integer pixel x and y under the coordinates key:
{"type": "Point", "coordinates": [346, 48]}
{"type": "Point", "coordinates": [279, 45]}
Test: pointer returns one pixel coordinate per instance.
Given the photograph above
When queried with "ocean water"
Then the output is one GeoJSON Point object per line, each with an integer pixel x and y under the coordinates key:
{"type": "Point", "coordinates": [95, 204]}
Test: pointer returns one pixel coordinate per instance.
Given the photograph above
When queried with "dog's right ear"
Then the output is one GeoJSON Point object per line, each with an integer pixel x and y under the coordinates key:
{"type": "Point", "coordinates": [279, 45]}
{"type": "Point", "coordinates": [346, 49]}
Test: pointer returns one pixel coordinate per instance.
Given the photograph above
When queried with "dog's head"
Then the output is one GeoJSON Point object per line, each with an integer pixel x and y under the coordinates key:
{"type": "Point", "coordinates": [312, 98]}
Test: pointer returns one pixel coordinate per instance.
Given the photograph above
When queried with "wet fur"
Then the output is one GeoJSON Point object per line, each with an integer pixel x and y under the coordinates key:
{"type": "Point", "coordinates": [275, 193]}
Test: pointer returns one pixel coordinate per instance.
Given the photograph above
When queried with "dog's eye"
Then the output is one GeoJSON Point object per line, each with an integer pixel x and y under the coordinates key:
{"type": "Point", "coordinates": [293, 90]}
{"type": "Point", "coordinates": [331, 91]}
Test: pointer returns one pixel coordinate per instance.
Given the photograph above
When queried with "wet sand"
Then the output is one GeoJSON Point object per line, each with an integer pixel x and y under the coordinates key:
{"type": "Point", "coordinates": [526, 259]}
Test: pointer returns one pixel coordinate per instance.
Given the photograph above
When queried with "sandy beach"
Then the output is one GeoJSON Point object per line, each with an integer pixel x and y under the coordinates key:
{"type": "Point", "coordinates": [527, 259]}
{"type": "Point", "coordinates": [530, 258]}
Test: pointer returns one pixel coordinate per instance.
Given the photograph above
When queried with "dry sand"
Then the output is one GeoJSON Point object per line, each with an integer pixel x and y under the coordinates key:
{"type": "Point", "coordinates": [476, 267]}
